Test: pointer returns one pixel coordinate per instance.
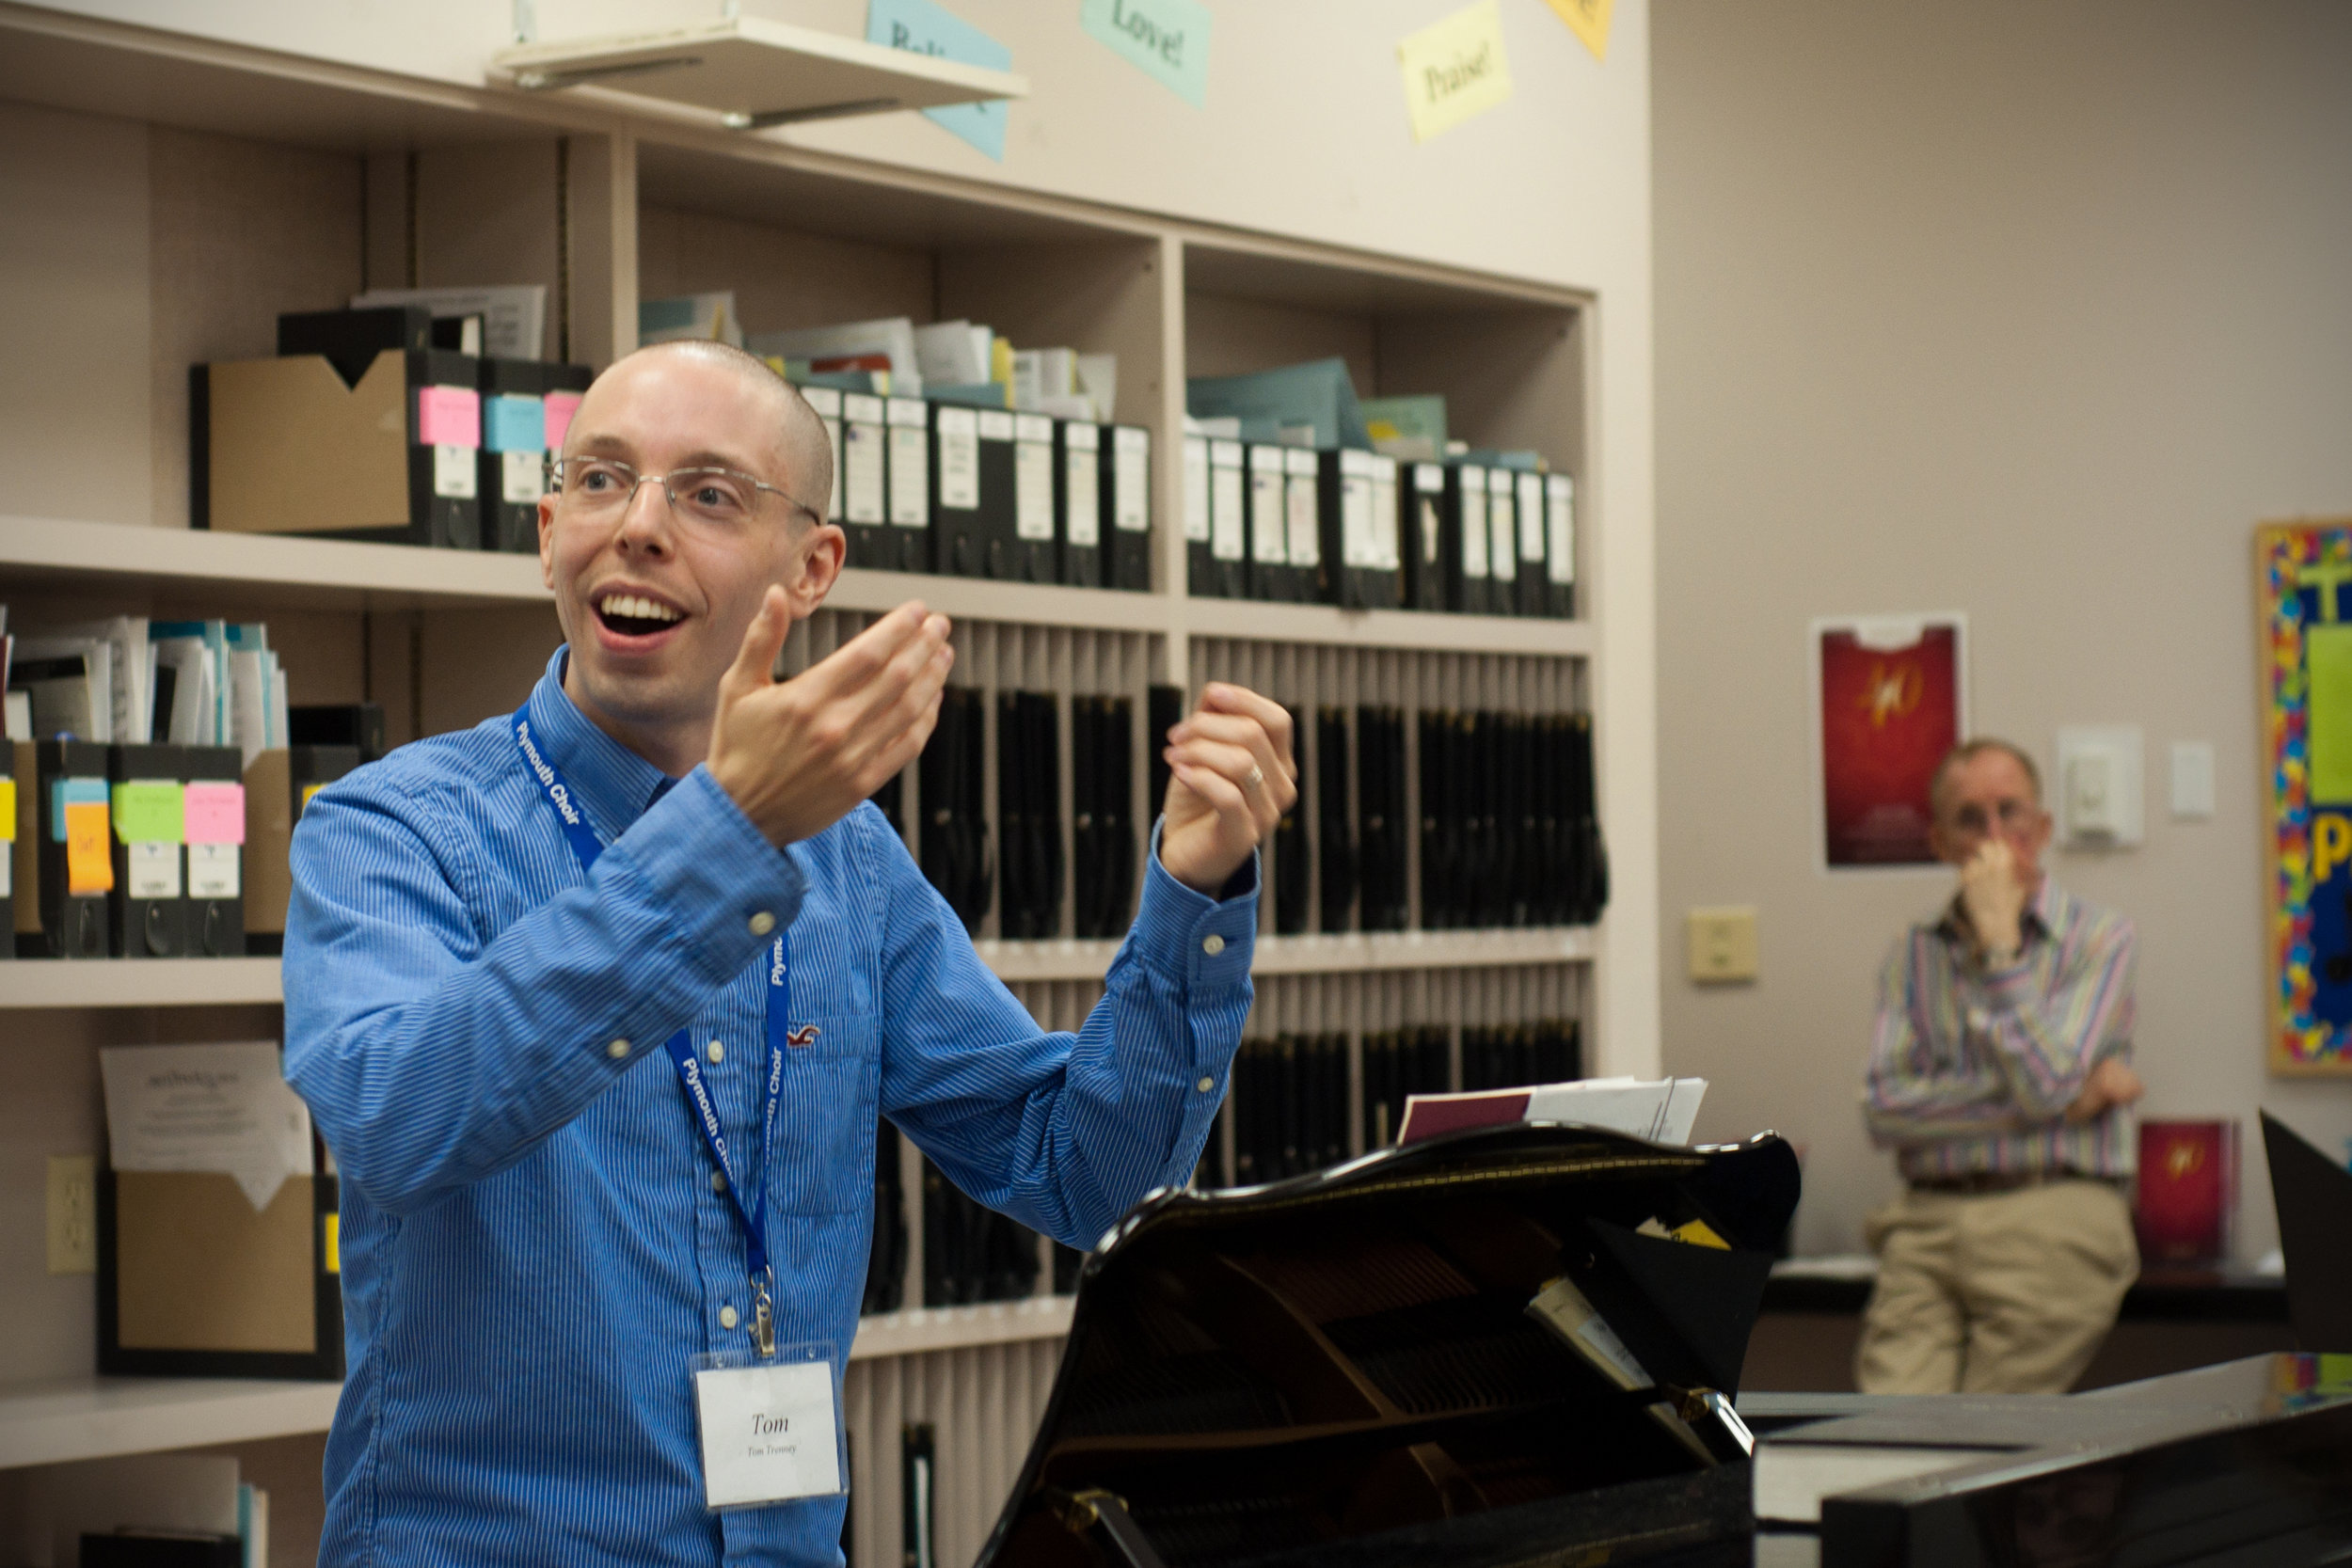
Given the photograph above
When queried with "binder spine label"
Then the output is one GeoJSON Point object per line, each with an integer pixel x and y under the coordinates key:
{"type": "Point", "coordinates": [1033, 491]}
{"type": "Point", "coordinates": [1559, 528]}
{"type": "Point", "coordinates": [519, 477]}
{"type": "Point", "coordinates": [214, 813]}
{"type": "Point", "coordinates": [1195, 491]}
{"type": "Point", "coordinates": [1473, 526]}
{"type": "Point", "coordinates": [1227, 507]}
{"type": "Point", "coordinates": [862, 464]}
{"type": "Point", "coordinates": [1385, 554]}
{"type": "Point", "coordinates": [154, 870]}
{"type": "Point", "coordinates": [1268, 533]}
{"type": "Point", "coordinates": [455, 472]}
{"type": "Point", "coordinates": [1306, 523]}
{"type": "Point", "coordinates": [909, 475]}
{"type": "Point", "coordinates": [1532, 519]}
{"type": "Point", "coordinates": [213, 871]}
{"type": "Point", "coordinates": [1085, 493]}
{"type": "Point", "coordinates": [959, 459]}
{"type": "Point", "coordinates": [560, 407]}
{"type": "Point", "coordinates": [1503, 555]}
{"type": "Point", "coordinates": [1131, 485]}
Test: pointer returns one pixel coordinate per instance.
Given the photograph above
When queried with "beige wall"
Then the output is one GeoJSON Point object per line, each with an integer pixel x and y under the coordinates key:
{"type": "Point", "coordinates": [2028, 311]}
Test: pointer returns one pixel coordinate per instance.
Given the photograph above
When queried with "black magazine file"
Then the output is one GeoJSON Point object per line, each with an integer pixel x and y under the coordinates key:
{"type": "Point", "coordinates": [1333, 1368]}
{"type": "Point", "coordinates": [2314, 1196]}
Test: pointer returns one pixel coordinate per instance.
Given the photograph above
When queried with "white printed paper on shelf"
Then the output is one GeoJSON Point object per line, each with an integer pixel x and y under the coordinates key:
{"type": "Point", "coordinates": [767, 1433]}
{"type": "Point", "coordinates": [1661, 1110]}
{"type": "Point", "coordinates": [213, 871]}
{"type": "Point", "coordinates": [453, 472]}
{"type": "Point", "coordinates": [211, 1108]}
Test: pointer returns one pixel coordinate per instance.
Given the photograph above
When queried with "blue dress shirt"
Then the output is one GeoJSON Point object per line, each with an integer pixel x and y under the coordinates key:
{"type": "Point", "coordinates": [533, 1250]}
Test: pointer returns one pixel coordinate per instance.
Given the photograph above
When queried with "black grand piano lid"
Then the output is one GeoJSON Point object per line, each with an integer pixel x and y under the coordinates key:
{"type": "Point", "coordinates": [1320, 1360]}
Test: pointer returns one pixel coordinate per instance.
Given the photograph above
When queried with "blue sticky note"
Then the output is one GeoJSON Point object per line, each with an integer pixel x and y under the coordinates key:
{"type": "Point", "coordinates": [511, 423]}
{"type": "Point", "coordinates": [926, 29]}
{"type": "Point", "coordinates": [72, 792]}
{"type": "Point", "coordinates": [1165, 39]}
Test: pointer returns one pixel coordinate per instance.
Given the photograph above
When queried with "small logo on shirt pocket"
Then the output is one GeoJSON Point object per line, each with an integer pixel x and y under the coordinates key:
{"type": "Point", "coordinates": [803, 1037]}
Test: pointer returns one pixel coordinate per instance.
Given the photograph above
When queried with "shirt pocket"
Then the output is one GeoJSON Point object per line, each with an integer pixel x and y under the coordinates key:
{"type": "Point", "coordinates": [823, 1159]}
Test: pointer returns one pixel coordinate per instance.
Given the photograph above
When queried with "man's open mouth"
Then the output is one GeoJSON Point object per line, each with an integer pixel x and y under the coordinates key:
{"type": "Point", "coordinates": [634, 615]}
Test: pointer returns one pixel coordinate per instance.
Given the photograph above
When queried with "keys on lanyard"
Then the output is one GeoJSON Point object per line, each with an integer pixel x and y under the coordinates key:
{"type": "Point", "coordinates": [753, 1215]}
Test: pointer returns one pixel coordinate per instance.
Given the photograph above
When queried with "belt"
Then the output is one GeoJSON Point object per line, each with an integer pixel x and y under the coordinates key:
{"type": "Point", "coordinates": [1977, 1182]}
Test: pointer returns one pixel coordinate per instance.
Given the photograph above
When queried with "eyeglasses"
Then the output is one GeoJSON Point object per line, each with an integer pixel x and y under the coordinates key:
{"type": "Point", "coordinates": [719, 500]}
{"type": "Point", "coordinates": [2012, 815]}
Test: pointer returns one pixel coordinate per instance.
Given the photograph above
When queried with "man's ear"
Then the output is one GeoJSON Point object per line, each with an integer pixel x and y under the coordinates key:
{"type": "Point", "coordinates": [546, 542]}
{"type": "Point", "coordinates": [818, 566]}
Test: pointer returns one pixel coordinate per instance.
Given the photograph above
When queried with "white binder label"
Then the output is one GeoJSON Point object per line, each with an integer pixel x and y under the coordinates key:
{"type": "Point", "coordinates": [154, 870]}
{"type": "Point", "coordinates": [1306, 523]}
{"type": "Point", "coordinates": [909, 475]}
{"type": "Point", "coordinates": [1131, 483]}
{"type": "Point", "coordinates": [1356, 548]}
{"type": "Point", "coordinates": [213, 871]}
{"type": "Point", "coordinates": [1503, 555]}
{"type": "Point", "coordinates": [960, 458]}
{"type": "Point", "coordinates": [518, 476]}
{"type": "Point", "coordinates": [833, 441]}
{"type": "Point", "coordinates": [455, 472]}
{"type": "Point", "coordinates": [1083, 476]}
{"type": "Point", "coordinates": [1531, 517]}
{"type": "Point", "coordinates": [1560, 525]}
{"type": "Point", "coordinates": [1267, 545]}
{"type": "Point", "coordinates": [995, 425]}
{"type": "Point", "coordinates": [862, 457]}
{"type": "Point", "coordinates": [1033, 490]}
{"type": "Point", "coordinates": [1227, 506]}
{"type": "Point", "coordinates": [1195, 490]}
{"type": "Point", "coordinates": [1473, 527]}
{"type": "Point", "coordinates": [1385, 554]}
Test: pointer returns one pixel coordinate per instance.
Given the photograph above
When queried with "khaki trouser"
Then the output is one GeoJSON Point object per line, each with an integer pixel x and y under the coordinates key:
{"type": "Point", "coordinates": [1994, 1294]}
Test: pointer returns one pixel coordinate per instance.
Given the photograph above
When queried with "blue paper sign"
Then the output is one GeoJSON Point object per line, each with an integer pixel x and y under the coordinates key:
{"type": "Point", "coordinates": [511, 423]}
{"type": "Point", "coordinates": [1165, 39]}
{"type": "Point", "coordinates": [926, 29]}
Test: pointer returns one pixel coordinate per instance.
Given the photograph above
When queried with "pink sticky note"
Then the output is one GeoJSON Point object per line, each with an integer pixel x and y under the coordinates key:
{"type": "Point", "coordinates": [212, 812]}
{"type": "Point", "coordinates": [448, 416]}
{"type": "Point", "coordinates": [561, 407]}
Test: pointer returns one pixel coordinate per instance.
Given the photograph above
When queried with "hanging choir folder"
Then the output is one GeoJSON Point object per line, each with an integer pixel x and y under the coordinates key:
{"type": "Point", "coordinates": [1127, 505]}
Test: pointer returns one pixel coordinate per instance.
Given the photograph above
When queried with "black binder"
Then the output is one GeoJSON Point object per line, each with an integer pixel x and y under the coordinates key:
{"type": "Point", "coordinates": [825, 402]}
{"type": "Point", "coordinates": [952, 838]}
{"type": "Point", "coordinates": [1396, 1362]}
{"type": "Point", "coordinates": [866, 480]}
{"type": "Point", "coordinates": [1035, 491]}
{"type": "Point", "coordinates": [1293, 880]}
{"type": "Point", "coordinates": [215, 910]}
{"type": "Point", "coordinates": [1559, 546]}
{"type": "Point", "coordinates": [1269, 574]}
{"type": "Point", "coordinates": [1335, 838]}
{"type": "Point", "coordinates": [1302, 511]}
{"type": "Point", "coordinates": [1380, 815]}
{"type": "Point", "coordinates": [1422, 536]}
{"type": "Point", "coordinates": [1439, 832]}
{"type": "Point", "coordinates": [893, 1238]}
{"type": "Point", "coordinates": [358, 725]}
{"type": "Point", "coordinates": [1229, 521]}
{"type": "Point", "coordinates": [1103, 832]}
{"type": "Point", "coordinates": [1126, 507]}
{"type": "Point", "coordinates": [1164, 711]}
{"type": "Point", "coordinates": [1587, 854]}
{"type": "Point", "coordinates": [1078, 479]}
{"type": "Point", "coordinates": [1200, 575]}
{"type": "Point", "coordinates": [74, 918]}
{"type": "Point", "coordinates": [513, 454]}
{"type": "Point", "coordinates": [1360, 528]}
{"type": "Point", "coordinates": [959, 492]}
{"type": "Point", "coordinates": [905, 545]}
{"type": "Point", "coordinates": [1000, 463]}
{"type": "Point", "coordinates": [146, 908]}
{"type": "Point", "coordinates": [1028, 813]}
{"type": "Point", "coordinates": [971, 1253]}
{"type": "Point", "coordinates": [1469, 581]}
{"type": "Point", "coordinates": [1502, 543]}
{"type": "Point", "coordinates": [1534, 586]}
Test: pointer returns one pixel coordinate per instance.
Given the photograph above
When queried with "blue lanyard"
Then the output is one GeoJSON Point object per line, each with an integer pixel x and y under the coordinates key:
{"type": "Point", "coordinates": [681, 1046]}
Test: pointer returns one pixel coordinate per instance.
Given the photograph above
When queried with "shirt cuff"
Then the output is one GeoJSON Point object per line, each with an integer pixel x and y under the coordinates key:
{"type": "Point", "coordinates": [729, 891]}
{"type": "Point", "coordinates": [1205, 941]}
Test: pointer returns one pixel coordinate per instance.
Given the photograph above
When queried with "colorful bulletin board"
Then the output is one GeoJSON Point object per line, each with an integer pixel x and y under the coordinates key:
{"type": "Point", "coordinates": [2303, 589]}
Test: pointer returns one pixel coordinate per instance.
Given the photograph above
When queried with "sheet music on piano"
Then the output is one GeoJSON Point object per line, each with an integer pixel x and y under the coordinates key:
{"type": "Point", "coordinates": [1659, 1110]}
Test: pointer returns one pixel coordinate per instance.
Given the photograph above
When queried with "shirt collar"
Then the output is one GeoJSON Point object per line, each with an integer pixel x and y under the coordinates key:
{"type": "Point", "coordinates": [613, 783]}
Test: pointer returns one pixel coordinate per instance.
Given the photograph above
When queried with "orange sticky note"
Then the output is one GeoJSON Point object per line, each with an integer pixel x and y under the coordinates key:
{"type": "Point", "coordinates": [88, 867]}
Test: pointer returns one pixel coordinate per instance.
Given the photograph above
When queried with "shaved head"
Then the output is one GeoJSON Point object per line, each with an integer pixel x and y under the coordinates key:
{"type": "Point", "coordinates": [803, 450]}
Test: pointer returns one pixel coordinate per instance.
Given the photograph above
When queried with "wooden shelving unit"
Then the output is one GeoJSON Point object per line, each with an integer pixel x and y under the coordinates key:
{"type": "Point", "coordinates": [606, 198]}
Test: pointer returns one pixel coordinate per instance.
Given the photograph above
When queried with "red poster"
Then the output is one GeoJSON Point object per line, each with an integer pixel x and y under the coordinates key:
{"type": "Point", "coordinates": [1891, 706]}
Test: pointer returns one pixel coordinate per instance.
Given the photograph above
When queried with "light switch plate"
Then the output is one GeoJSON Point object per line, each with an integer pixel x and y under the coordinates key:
{"type": "Point", "coordinates": [1723, 945]}
{"type": "Point", "coordinates": [2099, 794]}
{"type": "Point", "coordinates": [2192, 779]}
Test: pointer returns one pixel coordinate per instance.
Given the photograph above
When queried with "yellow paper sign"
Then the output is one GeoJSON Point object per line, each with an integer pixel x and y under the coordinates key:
{"type": "Point", "coordinates": [89, 868]}
{"type": "Point", "coordinates": [8, 810]}
{"type": "Point", "coordinates": [1589, 21]}
{"type": "Point", "coordinates": [1454, 70]}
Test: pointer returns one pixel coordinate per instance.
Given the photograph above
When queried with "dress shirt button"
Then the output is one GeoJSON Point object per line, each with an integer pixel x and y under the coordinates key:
{"type": "Point", "coordinates": [726, 1317]}
{"type": "Point", "coordinates": [1213, 945]}
{"type": "Point", "coordinates": [718, 1181]}
{"type": "Point", "coordinates": [1978, 1021]}
{"type": "Point", "coordinates": [1205, 1085]}
{"type": "Point", "coordinates": [763, 923]}
{"type": "Point", "coordinates": [717, 1053]}
{"type": "Point", "coordinates": [617, 1050]}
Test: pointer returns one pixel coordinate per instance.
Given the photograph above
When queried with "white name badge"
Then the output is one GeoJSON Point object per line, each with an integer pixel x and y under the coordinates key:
{"type": "Point", "coordinates": [769, 1432]}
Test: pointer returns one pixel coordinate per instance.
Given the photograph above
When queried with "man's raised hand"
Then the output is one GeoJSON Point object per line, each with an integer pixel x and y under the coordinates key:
{"type": "Point", "coordinates": [796, 756]}
{"type": "Point", "coordinates": [1230, 779]}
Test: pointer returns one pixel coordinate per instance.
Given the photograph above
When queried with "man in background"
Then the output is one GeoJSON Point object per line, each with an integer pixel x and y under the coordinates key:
{"type": "Point", "coordinates": [2000, 1075]}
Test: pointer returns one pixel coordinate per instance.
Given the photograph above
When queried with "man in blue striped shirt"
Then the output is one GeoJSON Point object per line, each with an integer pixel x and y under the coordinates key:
{"type": "Point", "coordinates": [510, 946]}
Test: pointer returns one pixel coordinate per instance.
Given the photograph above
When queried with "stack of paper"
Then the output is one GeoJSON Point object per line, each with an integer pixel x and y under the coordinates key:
{"type": "Point", "coordinates": [708, 316]}
{"type": "Point", "coordinates": [886, 344]}
{"type": "Point", "coordinates": [514, 316]}
{"type": "Point", "coordinates": [1660, 1110]}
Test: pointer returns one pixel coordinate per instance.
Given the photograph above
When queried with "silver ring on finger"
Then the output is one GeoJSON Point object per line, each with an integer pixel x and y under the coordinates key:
{"type": "Point", "coordinates": [1256, 781]}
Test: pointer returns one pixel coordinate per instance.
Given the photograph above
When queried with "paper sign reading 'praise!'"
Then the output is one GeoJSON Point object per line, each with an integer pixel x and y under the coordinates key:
{"type": "Point", "coordinates": [1454, 70]}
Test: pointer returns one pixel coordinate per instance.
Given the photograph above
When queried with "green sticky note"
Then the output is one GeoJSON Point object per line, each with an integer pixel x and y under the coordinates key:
{"type": "Point", "coordinates": [1165, 39]}
{"type": "Point", "coordinates": [147, 811]}
{"type": "Point", "coordinates": [2329, 649]}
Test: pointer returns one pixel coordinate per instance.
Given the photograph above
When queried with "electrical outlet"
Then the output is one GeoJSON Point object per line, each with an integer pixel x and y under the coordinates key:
{"type": "Point", "coordinates": [73, 1213]}
{"type": "Point", "coordinates": [1723, 945]}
